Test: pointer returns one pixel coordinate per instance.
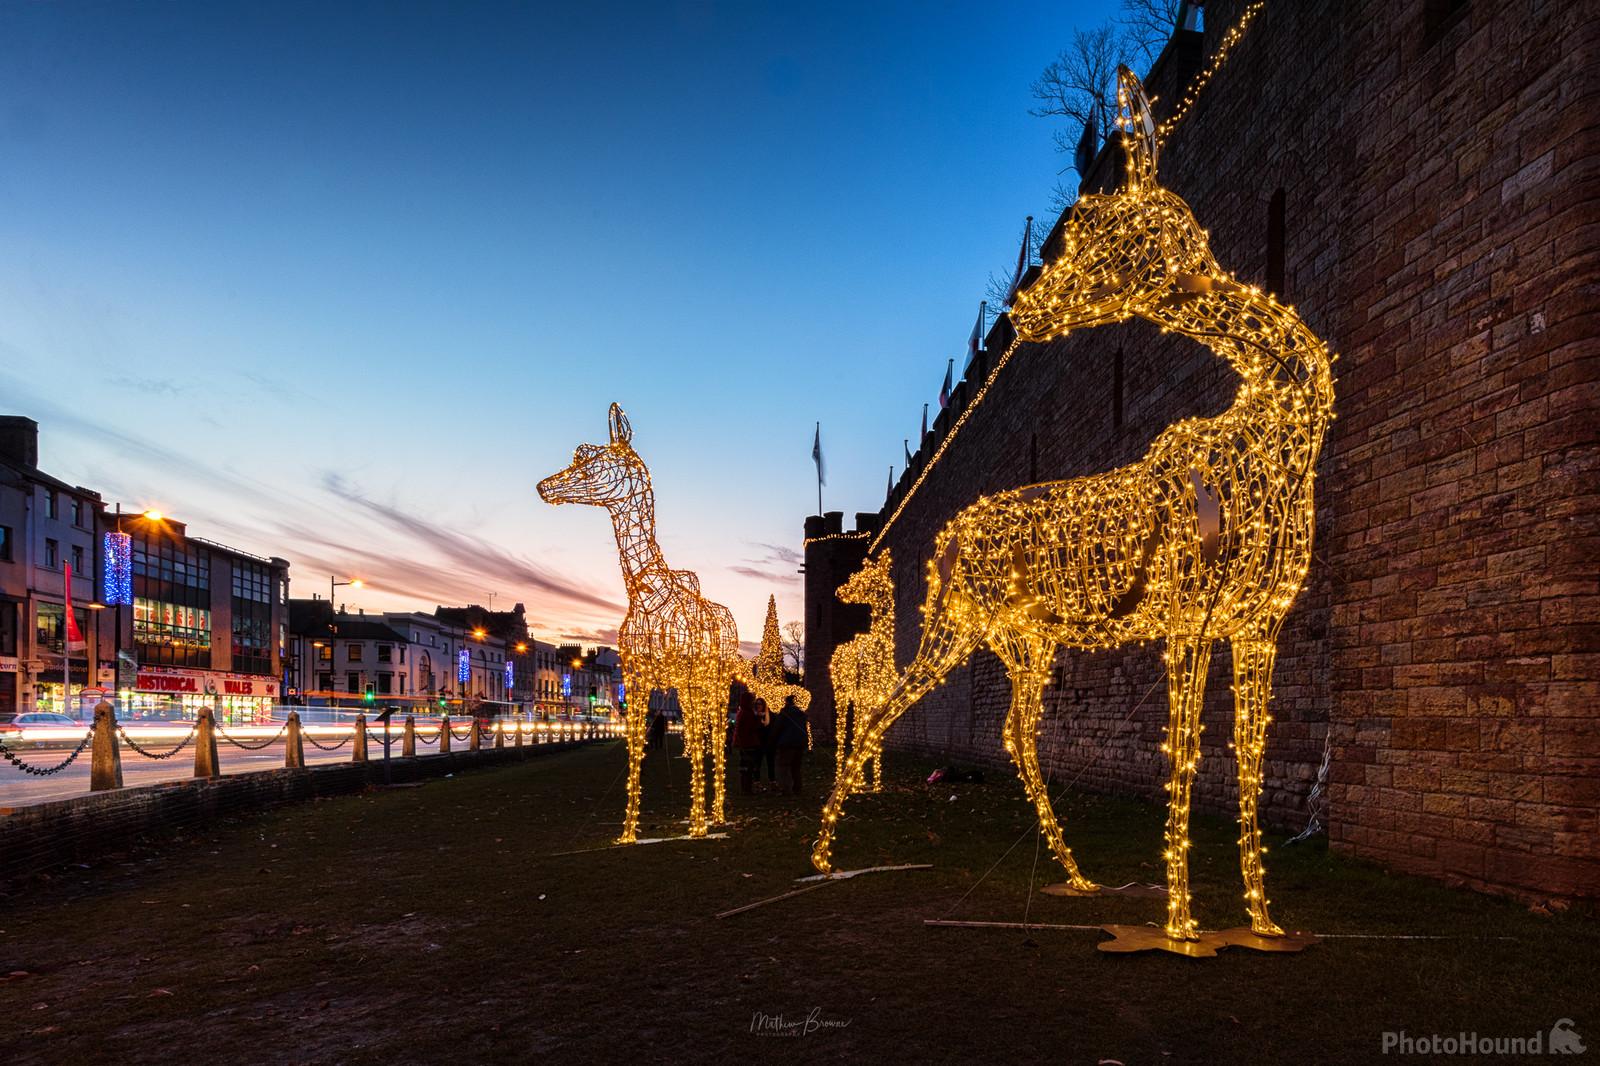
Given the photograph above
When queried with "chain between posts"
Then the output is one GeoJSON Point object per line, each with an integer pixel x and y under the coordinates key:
{"type": "Point", "coordinates": [36, 771]}
{"type": "Point", "coordinates": [327, 747]}
{"type": "Point", "coordinates": [463, 737]}
{"type": "Point", "coordinates": [184, 743]}
{"type": "Point", "coordinates": [254, 747]}
{"type": "Point", "coordinates": [421, 739]}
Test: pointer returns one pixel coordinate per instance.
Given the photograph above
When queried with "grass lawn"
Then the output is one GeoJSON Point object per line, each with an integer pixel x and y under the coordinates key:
{"type": "Point", "coordinates": [438, 924]}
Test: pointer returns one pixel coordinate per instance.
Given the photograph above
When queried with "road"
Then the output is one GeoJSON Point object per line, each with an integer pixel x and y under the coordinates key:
{"type": "Point", "coordinates": [18, 789]}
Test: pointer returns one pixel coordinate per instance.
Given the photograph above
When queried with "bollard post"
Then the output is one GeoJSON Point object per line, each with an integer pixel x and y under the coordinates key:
{"type": "Point", "coordinates": [294, 752]}
{"type": "Point", "coordinates": [408, 741]}
{"type": "Point", "coordinates": [499, 734]}
{"type": "Point", "coordinates": [444, 735]}
{"type": "Point", "coordinates": [519, 732]}
{"type": "Point", "coordinates": [105, 768]}
{"type": "Point", "coordinates": [359, 741]}
{"type": "Point", "coordinates": [475, 741]}
{"type": "Point", "coordinates": [205, 746]}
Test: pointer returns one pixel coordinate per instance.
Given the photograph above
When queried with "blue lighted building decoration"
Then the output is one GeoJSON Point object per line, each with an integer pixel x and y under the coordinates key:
{"type": "Point", "coordinates": [511, 674]}
{"type": "Point", "coordinates": [566, 684]}
{"type": "Point", "coordinates": [463, 666]}
{"type": "Point", "coordinates": [117, 570]}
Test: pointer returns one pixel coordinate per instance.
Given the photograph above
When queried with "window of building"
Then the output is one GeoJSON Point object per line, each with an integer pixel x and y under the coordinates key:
{"type": "Point", "coordinates": [5, 544]}
{"type": "Point", "coordinates": [352, 652]}
{"type": "Point", "coordinates": [77, 559]}
{"type": "Point", "coordinates": [252, 617]}
{"type": "Point", "coordinates": [77, 514]}
{"type": "Point", "coordinates": [386, 653]}
{"type": "Point", "coordinates": [8, 630]}
{"type": "Point", "coordinates": [52, 554]}
{"type": "Point", "coordinates": [50, 508]}
{"type": "Point", "coordinates": [171, 634]}
{"type": "Point", "coordinates": [352, 681]}
{"type": "Point", "coordinates": [385, 684]}
{"type": "Point", "coordinates": [325, 682]}
{"type": "Point", "coordinates": [325, 653]}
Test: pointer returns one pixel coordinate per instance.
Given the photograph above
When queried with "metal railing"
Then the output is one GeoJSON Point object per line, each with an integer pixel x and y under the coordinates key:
{"type": "Point", "coordinates": [107, 737]}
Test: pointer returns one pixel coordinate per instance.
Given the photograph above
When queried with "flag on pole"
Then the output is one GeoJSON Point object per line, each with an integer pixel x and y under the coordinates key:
{"type": "Point", "coordinates": [816, 455]}
{"type": "Point", "coordinates": [924, 426]}
{"type": "Point", "coordinates": [949, 383]}
{"type": "Point", "coordinates": [975, 341]}
{"type": "Point", "coordinates": [75, 641]}
{"type": "Point", "coordinates": [1023, 257]}
{"type": "Point", "coordinates": [905, 442]}
{"type": "Point", "coordinates": [890, 490]}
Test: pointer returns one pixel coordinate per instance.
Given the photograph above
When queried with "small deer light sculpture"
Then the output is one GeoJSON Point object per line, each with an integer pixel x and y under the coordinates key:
{"type": "Point", "coordinates": [1206, 538]}
{"type": "Point", "coordinates": [672, 637]}
{"type": "Point", "coordinates": [863, 666]}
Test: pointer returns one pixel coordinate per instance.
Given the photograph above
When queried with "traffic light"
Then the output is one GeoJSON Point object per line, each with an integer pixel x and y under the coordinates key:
{"type": "Point", "coordinates": [441, 701]}
{"type": "Point", "coordinates": [370, 695]}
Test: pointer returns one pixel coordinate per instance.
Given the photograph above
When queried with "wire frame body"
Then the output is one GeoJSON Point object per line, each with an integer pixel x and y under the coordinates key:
{"type": "Point", "coordinates": [672, 637]}
{"type": "Point", "coordinates": [1207, 538]}
{"type": "Point", "coordinates": [863, 666]}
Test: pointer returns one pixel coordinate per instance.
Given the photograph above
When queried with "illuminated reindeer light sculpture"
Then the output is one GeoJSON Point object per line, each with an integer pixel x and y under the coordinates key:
{"type": "Point", "coordinates": [863, 666]}
{"type": "Point", "coordinates": [672, 637]}
{"type": "Point", "coordinates": [1206, 538]}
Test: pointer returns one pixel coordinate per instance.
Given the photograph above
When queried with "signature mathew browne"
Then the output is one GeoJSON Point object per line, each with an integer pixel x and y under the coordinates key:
{"type": "Point", "coordinates": [763, 1024]}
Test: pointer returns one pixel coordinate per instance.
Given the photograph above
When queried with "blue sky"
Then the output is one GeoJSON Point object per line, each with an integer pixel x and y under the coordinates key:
{"type": "Point", "coordinates": [341, 282]}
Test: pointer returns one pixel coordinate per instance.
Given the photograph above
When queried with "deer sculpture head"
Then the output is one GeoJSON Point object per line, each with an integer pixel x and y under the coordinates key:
{"type": "Point", "coordinates": [1124, 254]}
{"type": "Point", "coordinates": [601, 475]}
{"type": "Point", "coordinates": [871, 584]}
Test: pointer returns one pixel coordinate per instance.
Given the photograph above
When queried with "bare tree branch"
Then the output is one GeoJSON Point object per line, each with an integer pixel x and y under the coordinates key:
{"type": "Point", "coordinates": [793, 643]}
{"type": "Point", "coordinates": [1080, 85]}
{"type": "Point", "coordinates": [1147, 25]}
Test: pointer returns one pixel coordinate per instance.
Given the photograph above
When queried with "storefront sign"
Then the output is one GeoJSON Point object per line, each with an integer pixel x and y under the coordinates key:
{"type": "Point", "coordinates": [205, 682]}
{"type": "Point", "coordinates": [8, 663]}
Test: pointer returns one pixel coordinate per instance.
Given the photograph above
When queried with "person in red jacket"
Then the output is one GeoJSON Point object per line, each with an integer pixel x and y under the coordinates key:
{"type": "Point", "coordinates": [747, 739]}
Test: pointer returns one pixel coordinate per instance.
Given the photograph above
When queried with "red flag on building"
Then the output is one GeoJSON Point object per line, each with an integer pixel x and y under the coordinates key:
{"type": "Point", "coordinates": [75, 641]}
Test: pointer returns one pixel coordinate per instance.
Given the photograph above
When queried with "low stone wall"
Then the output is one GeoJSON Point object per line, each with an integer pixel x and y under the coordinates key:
{"type": "Point", "coordinates": [44, 836]}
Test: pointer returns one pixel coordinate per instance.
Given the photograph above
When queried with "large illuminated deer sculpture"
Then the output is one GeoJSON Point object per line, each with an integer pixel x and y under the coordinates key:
{"type": "Point", "coordinates": [862, 667]}
{"type": "Point", "coordinates": [1206, 538]}
{"type": "Point", "coordinates": [672, 637]}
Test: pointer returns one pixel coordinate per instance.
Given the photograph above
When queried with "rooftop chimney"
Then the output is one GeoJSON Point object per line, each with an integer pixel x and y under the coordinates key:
{"type": "Point", "coordinates": [19, 440]}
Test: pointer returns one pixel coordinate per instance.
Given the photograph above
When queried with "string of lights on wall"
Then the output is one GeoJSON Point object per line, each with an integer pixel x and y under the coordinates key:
{"type": "Point", "coordinates": [672, 637]}
{"type": "Point", "coordinates": [1224, 50]}
{"type": "Point", "coordinates": [1207, 537]}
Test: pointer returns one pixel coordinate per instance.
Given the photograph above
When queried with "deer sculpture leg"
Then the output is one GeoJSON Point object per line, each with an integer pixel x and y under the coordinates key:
{"type": "Point", "coordinates": [634, 734]}
{"type": "Point", "coordinates": [1187, 661]}
{"type": "Point", "coordinates": [841, 736]}
{"type": "Point", "coordinates": [694, 748]}
{"type": "Point", "coordinates": [942, 647]}
{"type": "Point", "coordinates": [717, 737]}
{"type": "Point", "coordinates": [1252, 692]}
{"type": "Point", "coordinates": [1028, 663]}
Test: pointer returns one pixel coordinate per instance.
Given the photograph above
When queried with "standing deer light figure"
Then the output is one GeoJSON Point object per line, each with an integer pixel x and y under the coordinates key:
{"type": "Point", "coordinates": [863, 666]}
{"type": "Point", "coordinates": [1206, 538]}
{"type": "Point", "coordinates": [672, 637]}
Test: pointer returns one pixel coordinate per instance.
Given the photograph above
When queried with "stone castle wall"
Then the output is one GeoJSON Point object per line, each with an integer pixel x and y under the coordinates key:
{"type": "Point", "coordinates": [1433, 170]}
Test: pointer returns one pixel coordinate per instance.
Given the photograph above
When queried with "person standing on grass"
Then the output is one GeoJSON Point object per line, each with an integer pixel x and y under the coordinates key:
{"type": "Point", "coordinates": [767, 724]}
{"type": "Point", "coordinates": [658, 729]}
{"type": "Point", "coordinates": [791, 730]}
{"type": "Point", "coordinates": [747, 739]}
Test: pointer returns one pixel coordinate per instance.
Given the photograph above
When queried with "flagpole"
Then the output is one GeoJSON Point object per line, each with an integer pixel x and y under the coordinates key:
{"type": "Point", "coordinates": [819, 468]}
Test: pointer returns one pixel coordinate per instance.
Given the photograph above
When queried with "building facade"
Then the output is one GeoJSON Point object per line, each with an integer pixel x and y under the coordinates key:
{"type": "Point", "coordinates": [1418, 179]}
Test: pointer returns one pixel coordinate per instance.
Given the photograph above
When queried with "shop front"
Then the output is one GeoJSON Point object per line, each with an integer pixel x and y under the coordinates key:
{"type": "Point", "coordinates": [172, 694]}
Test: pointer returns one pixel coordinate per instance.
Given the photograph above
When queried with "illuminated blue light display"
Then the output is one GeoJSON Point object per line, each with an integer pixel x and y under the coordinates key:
{"type": "Point", "coordinates": [511, 674]}
{"type": "Point", "coordinates": [116, 570]}
{"type": "Point", "coordinates": [463, 666]}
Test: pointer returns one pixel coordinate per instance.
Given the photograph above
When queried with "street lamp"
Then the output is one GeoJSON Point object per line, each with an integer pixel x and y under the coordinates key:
{"type": "Point", "coordinates": [334, 583]}
{"type": "Point", "coordinates": [116, 569]}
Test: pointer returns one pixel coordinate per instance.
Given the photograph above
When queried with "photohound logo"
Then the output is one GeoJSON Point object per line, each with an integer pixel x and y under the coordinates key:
{"type": "Point", "coordinates": [1561, 1040]}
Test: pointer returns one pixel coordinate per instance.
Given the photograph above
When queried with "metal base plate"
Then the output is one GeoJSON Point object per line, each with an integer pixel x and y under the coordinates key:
{"type": "Point", "coordinates": [1130, 938]}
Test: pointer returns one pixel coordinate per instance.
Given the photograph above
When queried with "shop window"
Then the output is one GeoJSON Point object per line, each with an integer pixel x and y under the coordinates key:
{"type": "Point", "coordinates": [171, 634]}
{"type": "Point", "coordinates": [52, 554]}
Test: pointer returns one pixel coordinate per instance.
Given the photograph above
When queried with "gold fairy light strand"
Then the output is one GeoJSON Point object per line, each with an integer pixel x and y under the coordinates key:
{"type": "Point", "coordinates": [863, 666]}
{"type": "Point", "coordinates": [1206, 538]}
{"type": "Point", "coordinates": [1198, 85]}
{"type": "Point", "coordinates": [672, 637]}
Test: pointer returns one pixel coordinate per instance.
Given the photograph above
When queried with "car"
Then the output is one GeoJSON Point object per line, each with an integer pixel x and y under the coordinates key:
{"type": "Point", "coordinates": [41, 729]}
